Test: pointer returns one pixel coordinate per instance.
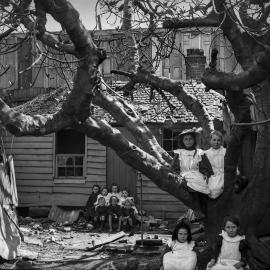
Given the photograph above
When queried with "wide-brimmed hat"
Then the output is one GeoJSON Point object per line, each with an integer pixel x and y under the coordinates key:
{"type": "Point", "coordinates": [193, 131]}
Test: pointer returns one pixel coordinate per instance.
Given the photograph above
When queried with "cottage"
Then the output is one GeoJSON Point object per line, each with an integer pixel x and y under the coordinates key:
{"type": "Point", "coordinates": [60, 169]}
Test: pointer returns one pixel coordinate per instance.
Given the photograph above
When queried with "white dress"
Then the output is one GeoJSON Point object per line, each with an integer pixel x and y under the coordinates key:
{"type": "Point", "coordinates": [216, 181]}
{"type": "Point", "coordinates": [189, 167]}
{"type": "Point", "coordinates": [181, 257]}
{"type": "Point", "coordinates": [229, 254]}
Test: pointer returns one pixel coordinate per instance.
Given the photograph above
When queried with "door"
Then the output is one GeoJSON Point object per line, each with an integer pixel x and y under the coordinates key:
{"type": "Point", "coordinates": [119, 172]}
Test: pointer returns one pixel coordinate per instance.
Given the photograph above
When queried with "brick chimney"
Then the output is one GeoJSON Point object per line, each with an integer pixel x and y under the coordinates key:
{"type": "Point", "coordinates": [195, 64]}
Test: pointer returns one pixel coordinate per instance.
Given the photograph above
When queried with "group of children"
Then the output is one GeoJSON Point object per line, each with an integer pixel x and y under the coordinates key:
{"type": "Point", "coordinates": [113, 207]}
{"type": "Point", "coordinates": [202, 171]}
{"type": "Point", "coordinates": [229, 252]}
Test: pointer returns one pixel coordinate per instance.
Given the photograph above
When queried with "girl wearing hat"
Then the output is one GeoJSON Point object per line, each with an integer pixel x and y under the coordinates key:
{"type": "Point", "coordinates": [194, 166]}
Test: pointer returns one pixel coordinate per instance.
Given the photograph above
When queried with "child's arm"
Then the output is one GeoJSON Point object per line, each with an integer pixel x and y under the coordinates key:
{"type": "Point", "coordinates": [243, 248]}
{"type": "Point", "coordinates": [205, 166]}
{"type": "Point", "coordinates": [175, 165]}
{"type": "Point", "coordinates": [215, 251]}
{"type": "Point", "coordinates": [167, 249]}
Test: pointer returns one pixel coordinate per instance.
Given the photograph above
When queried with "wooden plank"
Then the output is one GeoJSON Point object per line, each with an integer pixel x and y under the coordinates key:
{"type": "Point", "coordinates": [98, 153]}
{"type": "Point", "coordinates": [9, 139]}
{"type": "Point", "coordinates": [96, 165]}
{"type": "Point", "coordinates": [152, 190]}
{"type": "Point", "coordinates": [62, 199]}
{"type": "Point", "coordinates": [92, 158]}
{"type": "Point", "coordinates": [29, 145]}
{"type": "Point", "coordinates": [159, 198]}
{"type": "Point", "coordinates": [35, 176]}
{"type": "Point", "coordinates": [34, 182]}
{"type": "Point", "coordinates": [31, 151]}
{"type": "Point", "coordinates": [34, 189]}
{"type": "Point", "coordinates": [96, 178]}
{"type": "Point", "coordinates": [72, 190]}
{"type": "Point", "coordinates": [164, 208]}
{"type": "Point", "coordinates": [37, 170]}
{"type": "Point", "coordinates": [34, 163]}
{"type": "Point", "coordinates": [94, 171]}
{"type": "Point", "coordinates": [19, 157]}
{"type": "Point", "coordinates": [96, 146]}
{"type": "Point", "coordinates": [28, 198]}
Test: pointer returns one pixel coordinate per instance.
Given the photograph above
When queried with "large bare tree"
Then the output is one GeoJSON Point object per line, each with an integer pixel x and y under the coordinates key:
{"type": "Point", "coordinates": [244, 24]}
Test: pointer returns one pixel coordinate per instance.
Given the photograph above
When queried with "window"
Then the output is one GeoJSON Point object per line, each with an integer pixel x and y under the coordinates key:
{"type": "Point", "coordinates": [70, 153]}
{"type": "Point", "coordinates": [170, 140]}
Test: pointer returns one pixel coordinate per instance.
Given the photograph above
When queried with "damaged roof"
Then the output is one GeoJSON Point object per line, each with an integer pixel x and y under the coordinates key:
{"type": "Point", "coordinates": [155, 110]}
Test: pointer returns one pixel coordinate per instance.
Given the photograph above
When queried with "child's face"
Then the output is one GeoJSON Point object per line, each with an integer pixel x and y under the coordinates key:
{"type": "Point", "coordinates": [182, 235]}
{"type": "Point", "coordinates": [188, 141]}
{"type": "Point", "coordinates": [114, 201]}
{"type": "Point", "coordinates": [231, 229]}
{"type": "Point", "coordinates": [104, 192]}
{"type": "Point", "coordinates": [128, 205]}
{"type": "Point", "coordinates": [215, 142]}
{"type": "Point", "coordinates": [124, 193]}
{"type": "Point", "coordinates": [114, 189]}
{"type": "Point", "coordinates": [95, 190]}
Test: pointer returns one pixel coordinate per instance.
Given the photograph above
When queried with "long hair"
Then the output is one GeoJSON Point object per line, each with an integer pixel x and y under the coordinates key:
{"type": "Point", "coordinates": [182, 225]}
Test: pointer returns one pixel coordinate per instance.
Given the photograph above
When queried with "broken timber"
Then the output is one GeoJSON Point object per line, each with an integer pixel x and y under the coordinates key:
{"type": "Point", "coordinates": [110, 239]}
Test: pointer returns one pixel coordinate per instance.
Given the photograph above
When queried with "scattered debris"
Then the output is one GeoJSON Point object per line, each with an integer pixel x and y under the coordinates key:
{"type": "Point", "coordinates": [33, 241]}
{"type": "Point", "coordinates": [27, 254]}
{"type": "Point", "coordinates": [63, 217]}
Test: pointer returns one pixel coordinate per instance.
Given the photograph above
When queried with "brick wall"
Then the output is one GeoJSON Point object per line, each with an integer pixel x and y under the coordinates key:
{"type": "Point", "coordinates": [195, 64]}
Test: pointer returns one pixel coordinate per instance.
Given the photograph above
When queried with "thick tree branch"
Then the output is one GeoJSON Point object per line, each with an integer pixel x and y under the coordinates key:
{"type": "Point", "coordinates": [257, 72]}
{"type": "Point", "coordinates": [20, 124]}
{"type": "Point", "coordinates": [175, 88]}
{"type": "Point", "coordinates": [134, 124]}
{"type": "Point", "coordinates": [161, 175]}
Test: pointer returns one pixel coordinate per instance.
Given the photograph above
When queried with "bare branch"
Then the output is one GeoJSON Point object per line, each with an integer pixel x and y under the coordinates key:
{"type": "Point", "coordinates": [20, 124]}
{"type": "Point", "coordinates": [134, 124]}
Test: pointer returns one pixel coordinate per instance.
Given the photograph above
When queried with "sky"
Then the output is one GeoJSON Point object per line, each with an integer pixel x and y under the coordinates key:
{"type": "Point", "coordinates": [86, 8]}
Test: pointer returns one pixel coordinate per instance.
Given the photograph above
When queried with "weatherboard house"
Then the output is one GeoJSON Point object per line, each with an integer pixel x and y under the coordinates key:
{"type": "Point", "coordinates": [61, 168]}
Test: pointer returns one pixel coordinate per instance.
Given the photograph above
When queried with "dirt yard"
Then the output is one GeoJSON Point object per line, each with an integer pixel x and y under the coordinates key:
{"type": "Point", "coordinates": [47, 246]}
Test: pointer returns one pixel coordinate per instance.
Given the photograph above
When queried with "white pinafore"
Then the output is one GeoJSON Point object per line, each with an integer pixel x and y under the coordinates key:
{"type": "Point", "coordinates": [216, 181]}
{"type": "Point", "coordinates": [229, 254]}
{"type": "Point", "coordinates": [189, 167]}
{"type": "Point", "coordinates": [181, 257]}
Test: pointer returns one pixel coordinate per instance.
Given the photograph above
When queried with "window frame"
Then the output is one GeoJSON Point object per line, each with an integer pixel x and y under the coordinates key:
{"type": "Point", "coordinates": [69, 179]}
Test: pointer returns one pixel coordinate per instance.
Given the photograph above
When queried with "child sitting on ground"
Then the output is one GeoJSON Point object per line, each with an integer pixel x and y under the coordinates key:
{"type": "Point", "coordinates": [114, 213]}
{"type": "Point", "coordinates": [179, 252]}
{"type": "Point", "coordinates": [124, 196]}
{"type": "Point", "coordinates": [105, 195]}
{"type": "Point", "coordinates": [216, 157]}
{"type": "Point", "coordinates": [115, 191]}
{"type": "Point", "coordinates": [230, 248]}
{"type": "Point", "coordinates": [90, 205]}
{"type": "Point", "coordinates": [101, 212]}
{"type": "Point", "coordinates": [128, 214]}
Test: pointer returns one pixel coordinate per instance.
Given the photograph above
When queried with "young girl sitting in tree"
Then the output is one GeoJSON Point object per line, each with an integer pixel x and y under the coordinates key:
{"type": "Point", "coordinates": [216, 157]}
{"type": "Point", "coordinates": [179, 252]}
{"type": "Point", "coordinates": [114, 213]}
{"type": "Point", "coordinates": [230, 248]}
{"type": "Point", "coordinates": [105, 195]}
{"type": "Point", "coordinates": [195, 167]}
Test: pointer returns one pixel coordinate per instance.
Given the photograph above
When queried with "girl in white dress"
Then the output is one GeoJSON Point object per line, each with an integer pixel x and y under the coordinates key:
{"type": "Point", "coordinates": [230, 248]}
{"type": "Point", "coordinates": [179, 252]}
{"type": "Point", "coordinates": [195, 168]}
{"type": "Point", "coordinates": [216, 157]}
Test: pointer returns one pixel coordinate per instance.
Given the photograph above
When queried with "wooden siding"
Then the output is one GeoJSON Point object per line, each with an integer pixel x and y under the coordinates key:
{"type": "Point", "coordinates": [34, 168]}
